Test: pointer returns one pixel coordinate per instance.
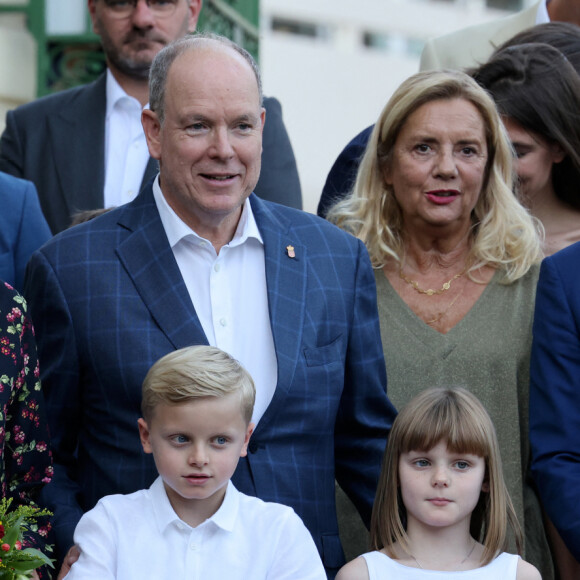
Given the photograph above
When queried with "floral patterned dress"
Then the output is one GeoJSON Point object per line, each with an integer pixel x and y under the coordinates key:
{"type": "Point", "coordinates": [25, 458]}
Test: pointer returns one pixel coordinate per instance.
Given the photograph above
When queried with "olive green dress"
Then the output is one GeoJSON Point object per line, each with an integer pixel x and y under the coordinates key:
{"type": "Point", "coordinates": [487, 352]}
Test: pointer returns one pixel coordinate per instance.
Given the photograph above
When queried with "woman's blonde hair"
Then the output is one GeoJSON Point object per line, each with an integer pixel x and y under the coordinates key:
{"type": "Point", "coordinates": [504, 235]}
{"type": "Point", "coordinates": [196, 372]}
{"type": "Point", "coordinates": [456, 417]}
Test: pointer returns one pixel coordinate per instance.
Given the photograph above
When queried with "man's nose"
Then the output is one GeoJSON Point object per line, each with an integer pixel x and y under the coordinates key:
{"type": "Point", "coordinates": [221, 145]}
{"type": "Point", "coordinates": [142, 15]}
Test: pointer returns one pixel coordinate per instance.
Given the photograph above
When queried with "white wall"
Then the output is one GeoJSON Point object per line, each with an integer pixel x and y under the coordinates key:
{"type": "Point", "coordinates": [17, 65]}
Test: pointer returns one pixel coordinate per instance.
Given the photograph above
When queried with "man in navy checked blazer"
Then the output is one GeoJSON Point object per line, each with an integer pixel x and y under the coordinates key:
{"type": "Point", "coordinates": [109, 298]}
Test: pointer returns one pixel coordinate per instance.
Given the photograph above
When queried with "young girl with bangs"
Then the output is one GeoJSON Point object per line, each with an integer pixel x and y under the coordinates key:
{"type": "Point", "coordinates": [442, 505]}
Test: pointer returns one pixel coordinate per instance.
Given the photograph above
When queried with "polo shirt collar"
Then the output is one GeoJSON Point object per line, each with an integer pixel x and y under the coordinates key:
{"type": "Point", "coordinates": [165, 516]}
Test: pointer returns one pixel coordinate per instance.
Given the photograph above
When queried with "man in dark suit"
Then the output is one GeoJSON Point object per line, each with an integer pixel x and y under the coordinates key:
{"type": "Point", "coordinates": [555, 393]}
{"type": "Point", "coordinates": [197, 258]}
{"type": "Point", "coordinates": [82, 152]}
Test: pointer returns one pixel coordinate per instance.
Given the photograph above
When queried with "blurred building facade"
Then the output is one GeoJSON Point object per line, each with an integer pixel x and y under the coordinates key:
{"type": "Point", "coordinates": [333, 64]}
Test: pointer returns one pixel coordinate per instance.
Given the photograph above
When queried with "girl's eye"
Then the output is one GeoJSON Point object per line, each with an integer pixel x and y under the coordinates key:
{"type": "Point", "coordinates": [461, 465]}
{"type": "Point", "coordinates": [421, 462]}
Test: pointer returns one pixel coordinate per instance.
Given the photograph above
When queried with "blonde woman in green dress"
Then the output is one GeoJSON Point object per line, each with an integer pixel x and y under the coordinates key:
{"type": "Point", "coordinates": [456, 258]}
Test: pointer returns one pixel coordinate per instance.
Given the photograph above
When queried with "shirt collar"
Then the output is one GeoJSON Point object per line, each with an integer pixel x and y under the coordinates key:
{"type": "Point", "coordinates": [224, 518]}
{"type": "Point", "coordinates": [176, 229]}
{"type": "Point", "coordinates": [116, 94]}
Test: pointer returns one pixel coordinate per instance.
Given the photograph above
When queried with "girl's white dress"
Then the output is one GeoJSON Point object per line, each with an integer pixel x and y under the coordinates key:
{"type": "Point", "coordinates": [380, 567]}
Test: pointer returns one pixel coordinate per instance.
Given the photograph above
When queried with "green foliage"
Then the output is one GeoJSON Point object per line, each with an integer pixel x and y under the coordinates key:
{"type": "Point", "coordinates": [17, 563]}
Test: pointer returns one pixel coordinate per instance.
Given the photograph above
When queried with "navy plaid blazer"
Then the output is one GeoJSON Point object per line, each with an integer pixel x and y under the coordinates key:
{"type": "Point", "coordinates": [108, 300]}
{"type": "Point", "coordinates": [555, 393]}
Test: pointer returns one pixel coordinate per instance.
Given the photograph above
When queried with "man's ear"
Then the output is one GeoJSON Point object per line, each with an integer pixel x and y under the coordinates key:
{"type": "Point", "coordinates": [249, 432]}
{"type": "Point", "coordinates": [194, 9]}
{"type": "Point", "coordinates": [262, 122]}
{"type": "Point", "coordinates": [152, 130]}
{"type": "Point", "coordinates": [94, 20]}
{"type": "Point", "coordinates": [144, 435]}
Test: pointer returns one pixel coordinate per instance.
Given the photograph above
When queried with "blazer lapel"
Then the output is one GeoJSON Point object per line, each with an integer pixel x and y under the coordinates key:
{"type": "Point", "coordinates": [149, 261]}
{"type": "Point", "coordinates": [286, 271]}
{"type": "Point", "coordinates": [83, 122]}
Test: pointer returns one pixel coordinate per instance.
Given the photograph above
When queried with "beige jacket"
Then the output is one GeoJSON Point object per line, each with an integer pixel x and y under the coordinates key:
{"type": "Point", "coordinates": [472, 46]}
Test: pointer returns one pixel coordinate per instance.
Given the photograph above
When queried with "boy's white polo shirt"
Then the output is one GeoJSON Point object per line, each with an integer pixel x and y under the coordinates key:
{"type": "Point", "coordinates": [139, 536]}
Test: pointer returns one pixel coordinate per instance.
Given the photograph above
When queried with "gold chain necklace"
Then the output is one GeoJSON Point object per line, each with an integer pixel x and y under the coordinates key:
{"type": "Point", "coordinates": [439, 316]}
{"type": "Point", "coordinates": [458, 566]}
{"type": "Point", "coordinates": [430, 291]}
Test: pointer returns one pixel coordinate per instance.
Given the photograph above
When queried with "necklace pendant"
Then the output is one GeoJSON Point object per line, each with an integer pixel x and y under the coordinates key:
{"type": "Point", "coordinates": [430, 292]}
{"type": "Point", "coordinates": [447, 285]}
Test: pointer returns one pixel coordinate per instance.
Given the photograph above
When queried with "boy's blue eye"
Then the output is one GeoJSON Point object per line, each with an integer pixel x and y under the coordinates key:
{"type": "Point", "coordinates": [180, 439]}
{"type": "Point", "coordinates": [221, 440]}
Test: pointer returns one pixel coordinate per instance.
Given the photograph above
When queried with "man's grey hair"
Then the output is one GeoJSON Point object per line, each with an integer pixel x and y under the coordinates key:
{"type": "Point", "coordinates": [165, 58]}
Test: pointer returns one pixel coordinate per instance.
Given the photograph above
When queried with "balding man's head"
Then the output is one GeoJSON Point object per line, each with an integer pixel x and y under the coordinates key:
{"type": "Point", "coordinates": [197, 42]}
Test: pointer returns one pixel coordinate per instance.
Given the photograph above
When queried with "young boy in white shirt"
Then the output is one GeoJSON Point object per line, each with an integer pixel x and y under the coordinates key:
{"type": "Point", "coordinates": [192, 522]}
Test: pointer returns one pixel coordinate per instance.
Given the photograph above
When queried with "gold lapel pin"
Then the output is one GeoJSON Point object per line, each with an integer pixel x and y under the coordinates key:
{"type": "Point", "coordinates": [290, 251]}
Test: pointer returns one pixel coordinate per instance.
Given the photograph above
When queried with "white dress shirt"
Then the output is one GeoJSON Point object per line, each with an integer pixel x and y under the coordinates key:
{"type": "Point", "coordinates": [126, 153]}
{"type": "Point", "coordinates": [139, 536]}
{"type": "Point", "coordinates": [229, 293]}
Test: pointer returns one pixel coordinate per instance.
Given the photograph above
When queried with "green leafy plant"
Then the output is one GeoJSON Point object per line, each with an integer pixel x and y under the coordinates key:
{"type": "Point", "coordinates": [17, 562]}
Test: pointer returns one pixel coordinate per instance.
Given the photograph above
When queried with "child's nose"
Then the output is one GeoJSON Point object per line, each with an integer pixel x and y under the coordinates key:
{"type": "Point", "coordinates": [440, 477]}
{"type": "Point", "coordinates": [198, 456]}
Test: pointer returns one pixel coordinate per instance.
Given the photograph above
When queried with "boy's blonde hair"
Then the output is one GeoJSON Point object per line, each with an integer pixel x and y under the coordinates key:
{"type": "Point", "coordinates": [197, 372]}
{"type": "Point", "coordinates": [457, 417]}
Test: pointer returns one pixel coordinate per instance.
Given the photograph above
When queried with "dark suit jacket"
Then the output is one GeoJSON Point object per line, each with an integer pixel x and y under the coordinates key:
{"type": "Point", "coordinates": [58, 143]}
{"type": "Point", "coordinates": [108, 300]}
{"type": "Point", "coordinates": [23, 228]}
{"type": "Point", "coordinates": [342, 176]}
{"type": "Point", "coordinates": [555, 393]}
